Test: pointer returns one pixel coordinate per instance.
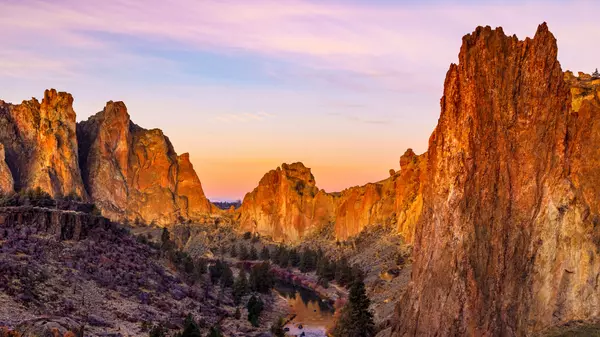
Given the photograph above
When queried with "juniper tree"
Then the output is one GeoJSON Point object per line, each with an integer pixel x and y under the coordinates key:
{"type": "Point", "coordinates": [356, 320]}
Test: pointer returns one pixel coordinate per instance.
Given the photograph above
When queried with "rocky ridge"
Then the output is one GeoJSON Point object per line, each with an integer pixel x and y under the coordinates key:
{"type": "Point", "coordinates": [287, 205]}
{"type": "Point", "coordinates": [131, 173]}
{"type": "Point", "coordinates": [507, 243]}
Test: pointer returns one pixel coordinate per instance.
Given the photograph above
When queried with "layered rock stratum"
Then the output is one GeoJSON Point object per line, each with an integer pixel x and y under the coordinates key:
{"type": "Point", "coordinates": [507, 243]}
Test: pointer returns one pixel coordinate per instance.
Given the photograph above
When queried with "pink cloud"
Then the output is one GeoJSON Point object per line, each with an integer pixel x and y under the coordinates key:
{"type": "Point", "coordinates": [365, 39]}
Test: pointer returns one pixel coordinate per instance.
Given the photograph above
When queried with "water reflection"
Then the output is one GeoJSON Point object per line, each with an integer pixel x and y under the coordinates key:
{"type": "Point", "coordinates": [312, 315]}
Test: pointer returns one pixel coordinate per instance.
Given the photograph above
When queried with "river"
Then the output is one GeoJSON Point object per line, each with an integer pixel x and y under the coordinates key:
{"type": "Point", "coordinates": [312, 314]}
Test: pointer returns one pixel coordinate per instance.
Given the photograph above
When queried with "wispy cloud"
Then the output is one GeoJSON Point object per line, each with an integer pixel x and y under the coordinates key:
{"type": "Point", "coordinates": [243, 117]}
{"type": "Point", "coordinates": [342, 43]}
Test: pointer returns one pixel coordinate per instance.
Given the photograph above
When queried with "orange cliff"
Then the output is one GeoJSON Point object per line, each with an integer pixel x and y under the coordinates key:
{"type": "Point", "coordinates": [134, 174]}
{"type": "Point", "coordinates": [40, 144]}
{"type": "Point", "coordinates": [286, 205]}
{"type": "Point", "coordinates": [508, 240]}
{"type": "Point", "coordinates": [131, 173]}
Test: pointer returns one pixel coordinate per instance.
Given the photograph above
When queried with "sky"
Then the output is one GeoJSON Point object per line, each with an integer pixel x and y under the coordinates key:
{"type": "Point", "coordinates": [245, 85]}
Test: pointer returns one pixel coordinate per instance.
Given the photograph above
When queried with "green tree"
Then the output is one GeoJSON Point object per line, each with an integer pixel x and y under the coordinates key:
{"type": "Point", "coordinates": [215, 331]}
{"type": "Point", "coordinates": [308, 261]}
{"type": "Point", "coordinates": [158, 331]}
{"type": "Point", "coordinates": [216, 271]}
{"type": "Point", "coordinates": [294, 257]}
{"type": "Point", "coordinates": [165, 236]}
{"type": "Point", "coordinates": [238, 313]}
{"type": "Point", "coordinates": [190, 327]}
{"type": "Point", "coordinates": [240, 288]}
{"type": "Point", "coordinates": [255, 307]}
{"type": "Point", "coordinates": [227, 277]}
{"type": "Point", "coordinates": [356, 320]}
{"type": "Point", "coordinates": [265, 255]}
{"type": "Point", "coordinates": [244, 252]}
{"type": "Point", "coordinates": [253, 253]}
{"type": "Point", "coordinates": [261, 278]}
{"type": "Point", "coordinates": [283, 259]}
{"type": "Point", "coordinates": [343, 272]}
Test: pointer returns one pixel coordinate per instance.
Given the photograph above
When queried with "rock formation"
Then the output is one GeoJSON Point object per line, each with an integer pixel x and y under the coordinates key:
{"type": "Point", "coordinates": [395, 200]}
{"type": "Point", "coordinates": [133, 173]}
{"type": "Point", "coordinates": [41, 145]}
{"type": "Point", "coordinates": [6, 179]}
{"type": "Point", "coordinates": [287, 205]}
{"type": "Point", "coordinates": [507, 243]}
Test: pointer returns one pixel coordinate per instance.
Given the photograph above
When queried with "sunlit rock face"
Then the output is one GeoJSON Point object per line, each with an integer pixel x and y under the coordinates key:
{"type": "Point", "coordinates": [287, 205]}
{"type": "Point", "coordinates": [40, 144]}
{"type": "Point", "coordinates": [394, 201]}
{"type": "Point", "coordinates": [507, 242]}
{"type": "Point", "coordinates": [6, 179]}
{"type": "Point", "coordinates": [134, 174]}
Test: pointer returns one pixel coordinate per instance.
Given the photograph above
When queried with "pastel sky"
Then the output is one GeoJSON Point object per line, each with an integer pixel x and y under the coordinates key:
{"type": "Point", "coordinates": [245, 85]}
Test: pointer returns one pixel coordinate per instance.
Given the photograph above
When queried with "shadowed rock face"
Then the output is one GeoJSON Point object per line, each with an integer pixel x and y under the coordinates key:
{"type": "Point", "coordinates": [41, 145]}
{"type": "Point", "coordinates": [134, 173]}
{"type": "Point", "coordinates": [507, 242]}
{"type": "Point", "coordinates": [64, 225]}
{"type": "Point", "coordinates": [287, 205]}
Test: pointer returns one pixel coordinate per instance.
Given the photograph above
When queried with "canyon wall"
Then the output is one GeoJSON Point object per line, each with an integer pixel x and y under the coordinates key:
{"type": "Point", "coordinates": [507, 243]}
{"type": "Point", "coordinates": [287, 205]}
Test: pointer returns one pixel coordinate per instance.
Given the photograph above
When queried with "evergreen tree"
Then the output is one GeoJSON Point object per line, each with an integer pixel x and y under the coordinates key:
{"type": "Point", "coordinates": [227, 277]}
{"type": "Point", "coordinates": [284, 257]}
{"type": "Point", "coordinates": [308, 261]}
{"type": "Point", "coordinates": [325, 269]}
{"type": "Point", "coordinates": [253, 253]}
{"type": "Point", "coordinates": [240, 287]}
{"type": "Point", "coordinates": [216, 271]}
{"type": "Point", "coordinates": [261, 278]}
{"type": "Point", "coordinates": [190, 327]}
{"type": "Point", "coordinates": [255, 307]}
{"type": "Point", "coordinates": [215, 331]}
{"type": "Point", "coordinates": [294, 258]}
{"type": "Point", "coordinates": [265, 255]}
{"type": "Point", "coordinates": [238, 313]}
{"type": "Point", "coordinates": [165, 236]}
{"type": "Point", "coordinates": [343, 272]}
{"type": "Point", "coordinates": [356, 320]}
{"type": "Point", "coordinates": [158, 331]}
{"type": "Point", "coordinates": [243, 252]}
{"type": "Point", "coordinates": [233, 251]}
